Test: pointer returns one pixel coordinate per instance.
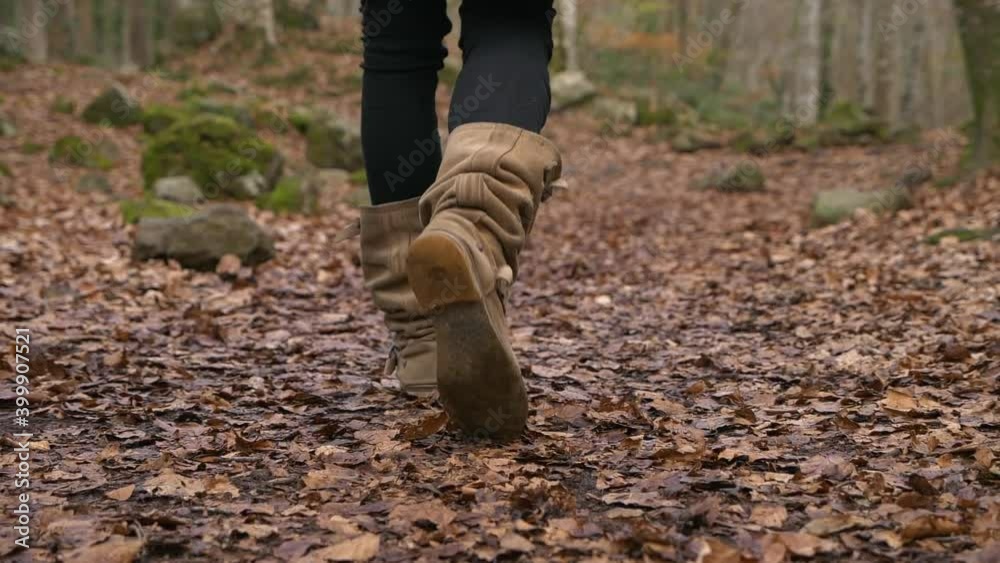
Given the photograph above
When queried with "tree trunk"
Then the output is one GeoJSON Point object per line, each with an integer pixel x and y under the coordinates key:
{"type": "Point", "coordinates": [86, 41]}
{"type": "Point", "coordinates": [805, 98]}
{"type": "Point", "coordinates": [110, 32]}
{"type": "Point", "coordinates": [868, 51]}
{"type": "Point", "coordinates": [33, 27]}
{"type": "Point", "coordinates": [140, 33]}
{"type": "Point", "coordinates": [569, 18]}
{"type": "Point", "coordinates": [979, 25]}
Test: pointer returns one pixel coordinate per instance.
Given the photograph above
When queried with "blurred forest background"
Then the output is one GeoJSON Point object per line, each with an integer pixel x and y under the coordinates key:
{"type": "Point", "coordinates": [739, 64]}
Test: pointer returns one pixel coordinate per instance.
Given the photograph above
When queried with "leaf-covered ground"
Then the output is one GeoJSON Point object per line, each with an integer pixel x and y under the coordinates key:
{"type": "Point", "coordinates": [710, 379]}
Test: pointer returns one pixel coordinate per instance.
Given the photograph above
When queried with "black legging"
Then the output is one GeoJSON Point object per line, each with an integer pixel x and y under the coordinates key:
{"type": "Point", "coordinates": [506, 47]}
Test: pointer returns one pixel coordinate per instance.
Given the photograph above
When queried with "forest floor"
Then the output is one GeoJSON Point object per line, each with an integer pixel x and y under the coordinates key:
{"type": "Point", "coordinates": [711, 380]}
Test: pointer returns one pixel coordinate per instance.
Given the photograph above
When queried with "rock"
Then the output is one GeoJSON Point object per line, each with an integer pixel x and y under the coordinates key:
{"type": "Point", "coordinates": [200, 241]}
{"type": "Point", "coordinates": [833, 206]}
{"type": "Point", "coordinates": [134, 210]}
{"type": "Point", "coordinates": [178, 189]}
{"type": "Point", "coordinates": [158, 117]}
{"type": "Point", "coordinates": [237, 113]}
{"type": "Point", "coordinates": [693, 141]}
{"type": "Point", "coordinates": [114, 106]}
{"type": "Point", "coordinates": [742, 178]}
{"type": "Point", "coordinates": [7, 128]}
{"type": "Point", "coordinates": [616, 110]}
{"type": "Point", "coordinates": [74, 151]}
{"type": "Point", "coordinates": [93, 182]}
{"type": "Point", "coordinates": [333, 143]}
{"type": "Point", "coordinates": [214, 151]}
{"type": "Point", "coordinates": [570, 88]}
{"type": "Point", "coordinates": [249, 186]}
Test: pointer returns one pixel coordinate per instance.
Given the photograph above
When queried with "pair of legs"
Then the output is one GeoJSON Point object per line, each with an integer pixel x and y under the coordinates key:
{"type": "Point", "coordinates": [506, 47]}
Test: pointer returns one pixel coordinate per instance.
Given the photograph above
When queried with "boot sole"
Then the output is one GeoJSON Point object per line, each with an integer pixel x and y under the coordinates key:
{"type": "Point", "coordinates": [479, 380]}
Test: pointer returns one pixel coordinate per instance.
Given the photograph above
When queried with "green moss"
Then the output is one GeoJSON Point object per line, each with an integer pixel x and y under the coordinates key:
{"type": "Point", "coordinates": [30, 147]}
{"type": "Point", "coordinates": [300, 118]}
{"type": "Point", "coordinates": [10, 62]}
{"type": "Point", "coordinates": [963, 235]}
{"type": "Point", "coordinates": [158, 117]}
{"type": "Point", "coordinates": [202, 90]}
{"type": "Point", "coordinates": [213, 150]}
{"type": "Point", "coordinates": [845, 123]}
{"type": "Point", "coordinates": [150, 208]}
{"type": "Point", "coordinates": [359, 177]}
{"type": "Point", "coordinates": [690, 141]}
{"type": "Point", "coordinates": [287, 197]}
{"type": "Point", "coordinates": [236, 112]}
{"type": "Point", "coordinates": [5, 170]}
{"type": "Point", "coordinates": [74, 151]}
{"type": "Point", "coordinates": [650, 114]}
{"type": "Point", "coordinates": [63, 105]}
{"type": "Point", "coordinates": [742, 178]}
{"type": "Point", "coordinates": [333, 144]}
{"type": "Point", "coordinates": [114, 107]}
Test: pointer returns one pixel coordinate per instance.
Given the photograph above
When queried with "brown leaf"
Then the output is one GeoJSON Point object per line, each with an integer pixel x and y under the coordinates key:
{"type": "Point", "coordinates": [929, 526]}
{"type": "Point", "coordinates": [516, 542]}
{"type": "Point", "coordinates": [123, 493]}
{"type": "Point", "coordinates": [711, 550]}
{"type": "Point", "coordinates": [331, 477]}
{"type": "Point", "coordinates": [171, 484]}
{"type": "Point", "coordinates": [424, 428]}
{"type": "Point", "coordinates": [406, 515]}
{"type": "Point", "coordinates": [828, 525]}
{"type": "Point", "coordinates": [803, 544]}
{"type": "Point", "coordinates": [117, 549]}
{"type": "Point", "coordinates": [769, 515]}
{"type": "Point", "coordinates": [361, 548]}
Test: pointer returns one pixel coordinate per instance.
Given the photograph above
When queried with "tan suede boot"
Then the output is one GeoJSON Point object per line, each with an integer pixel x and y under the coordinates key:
{"type": "Point", "coordinates": [478, 215]}
{"type": "Point", "coordinates": [386, 233]}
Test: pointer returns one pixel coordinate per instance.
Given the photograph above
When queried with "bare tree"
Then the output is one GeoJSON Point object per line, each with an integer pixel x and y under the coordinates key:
{"type": "Point", "coordinates": [979, 24]}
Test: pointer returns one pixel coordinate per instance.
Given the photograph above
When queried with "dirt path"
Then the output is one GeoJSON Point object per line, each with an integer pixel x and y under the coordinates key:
{"type": "Point", "coordinates": [708, 377]}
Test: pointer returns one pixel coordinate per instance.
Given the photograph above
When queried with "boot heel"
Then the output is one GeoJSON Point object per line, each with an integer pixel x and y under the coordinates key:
{"type": "Point", "coordinates": [440, 272]}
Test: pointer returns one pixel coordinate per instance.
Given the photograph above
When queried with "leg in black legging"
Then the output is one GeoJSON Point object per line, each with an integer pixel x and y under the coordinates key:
{"type": "Point", "coordinates": [506, 48]}
{"type": "Point", "coordinates": [402, 56]}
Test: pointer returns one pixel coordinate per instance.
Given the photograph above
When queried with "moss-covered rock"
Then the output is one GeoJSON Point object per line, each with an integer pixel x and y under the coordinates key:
{"type": "Point", "coordinates": [300, 117]}
{"type": "Point", "coordinates": [287, 197]}
{"type": "Point", "coordinates": [63, 105]}
{"type": "Point", "coordinates": [964, 235]}
{"type": "Point", "coordinates": [199, 241]}
{"type": "Point", "coordinates": [213, 150]}
{"type": "Point", "coordinates": [744, 177]}
{"type": "Point", "coordinates": [238, 113]}
{"type": "Point", "coordinates": [206, 89]}
{"type": "Point", "coordinates": [833, 206]}
{"type": "Point", "coordinates": [75, 151]}
{"type": "Point", "coordinates": [133, 210]}
{"type": "Point", "coordinates": [846, 123]}
{"type": "Point", "coordinates": [689, 141]}
{"type": "Point", "coordinates": [159, 117]}
{"type": "Point", "coordinates": [332, 143]}
{"type": "Point", "coordinates": [115, 107]}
